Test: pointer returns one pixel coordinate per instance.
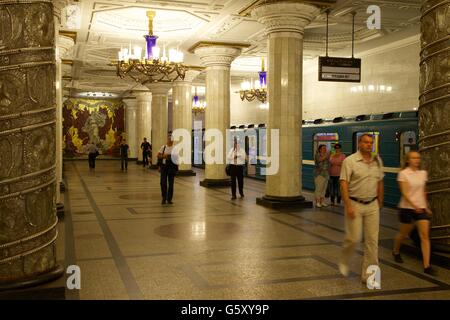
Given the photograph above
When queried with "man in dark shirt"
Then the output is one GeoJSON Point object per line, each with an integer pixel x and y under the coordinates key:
{"type": "Point", "coordinates": [124, 150]}
{"type": "Point", "coordinates": [146, 147]}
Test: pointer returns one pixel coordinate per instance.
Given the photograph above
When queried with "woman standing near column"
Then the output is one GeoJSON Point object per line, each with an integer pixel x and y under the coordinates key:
{"type": "Point", "coordinates": [321, 175]}
{"type": "Point", "coordinates": [336, 160]}
{"type": "Point", "coordinates": [413, 207]}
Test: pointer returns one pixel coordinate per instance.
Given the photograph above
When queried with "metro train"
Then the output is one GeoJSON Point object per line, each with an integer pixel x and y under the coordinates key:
{"type": "Point", "coordinates": [395, 134]}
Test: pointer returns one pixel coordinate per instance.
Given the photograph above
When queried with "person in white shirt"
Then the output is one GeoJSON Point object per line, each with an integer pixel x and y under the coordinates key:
{"type": "Point", "coordinates": [362, 190]}
{"type": "Point", "coordinates": [236, 158]}
{"type": "Point", "coordinates": [167, 162]}
{"type": "Point", "coordinates": [92, 151]}
{"type": "Point", "coordinates": [413, 207]}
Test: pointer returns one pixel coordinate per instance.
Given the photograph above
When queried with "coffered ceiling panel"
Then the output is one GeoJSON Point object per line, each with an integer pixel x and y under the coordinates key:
{"type": "Point", "coordinates": [132, 23]}
{"type": "Point", "coordinates": [108, 25]}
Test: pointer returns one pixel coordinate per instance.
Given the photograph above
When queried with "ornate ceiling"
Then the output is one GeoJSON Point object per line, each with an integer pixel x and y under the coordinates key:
{"type": "Point", "coordinates": [103, 27]}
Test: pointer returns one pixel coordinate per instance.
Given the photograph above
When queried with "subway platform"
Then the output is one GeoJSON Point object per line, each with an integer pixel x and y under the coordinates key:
{"type": "Point", "coordinates": [206, 246]}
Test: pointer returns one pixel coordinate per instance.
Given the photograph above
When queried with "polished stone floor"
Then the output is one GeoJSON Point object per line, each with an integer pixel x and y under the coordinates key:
{"type": "Point", "coordinates": [206, 246]}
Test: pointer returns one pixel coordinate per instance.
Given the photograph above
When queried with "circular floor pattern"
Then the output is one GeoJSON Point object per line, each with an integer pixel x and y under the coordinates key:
{"type": "Point", "coordinates": [199, 230]}
{"type": "Point", "coordinates": [136, 196]}
{"type": "Point", "coordinates": [90, 236]}
{"type": "Point", "coordinates": [82, 212]}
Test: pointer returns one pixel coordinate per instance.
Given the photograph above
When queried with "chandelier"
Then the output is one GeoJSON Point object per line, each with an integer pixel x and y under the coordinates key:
{"type": "Point", "coordinates": [152, 67]}
{"type": "Point", "coordinates": [197, 105]}
{"type": "Point", "coordinates": [255, 90]}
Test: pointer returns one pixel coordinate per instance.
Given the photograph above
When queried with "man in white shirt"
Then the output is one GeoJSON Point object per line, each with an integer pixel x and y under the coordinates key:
{"type": "Point", "coordinates": [236, 158]}
{"type": "Point", "coordinates": [362, 191]}
{"type": "Point", "coordinates": [167, 162]}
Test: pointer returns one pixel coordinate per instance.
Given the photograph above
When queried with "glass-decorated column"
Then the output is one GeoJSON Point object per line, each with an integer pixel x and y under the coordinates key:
{"type": "Point", "coordinates": [28, 221]}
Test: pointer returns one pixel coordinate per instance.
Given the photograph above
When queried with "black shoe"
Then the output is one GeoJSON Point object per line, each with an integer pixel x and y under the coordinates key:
{"type": "Point", "coordinates": [242, 195]}
{"type": "Point", "coordinates": [397, 257]}
{"type": "Point", "coordinates": [170, 202]}
{"type": "Point", "coordinates": [430, 271]}
{"type": "Point", "coordinates": [163, 202]}
{"type": "Point", "coordinates": [233, 198]}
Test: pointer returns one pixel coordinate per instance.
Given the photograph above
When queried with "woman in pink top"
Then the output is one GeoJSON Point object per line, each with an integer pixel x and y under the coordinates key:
{"type": "Point", "coordinates": [413, 207]}
{"type": "Point", "coordinates": [336, 160]}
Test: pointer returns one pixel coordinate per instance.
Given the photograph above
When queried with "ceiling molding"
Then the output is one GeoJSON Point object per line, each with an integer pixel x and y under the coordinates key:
{"type": "Point", "coordinates": [70, 34]}
{"type": "Point", "coordinates": [201, 44]}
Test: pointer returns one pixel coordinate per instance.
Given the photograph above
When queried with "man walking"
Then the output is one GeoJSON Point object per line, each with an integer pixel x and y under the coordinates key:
{"type": "Point", "coordinates": [124, 151]}
{"type": "Point", "coordinates": [145, 146]}
{"type": "Point", "coordinates": [363, 195]}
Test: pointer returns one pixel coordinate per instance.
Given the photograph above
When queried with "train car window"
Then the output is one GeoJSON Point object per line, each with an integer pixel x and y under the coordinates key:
{"type": "Point", "coordinates": [408, 142]}
{"type": "Point", "coordinates": [328, 139]}
{"type": "Point", "coordinates": [376, 143]}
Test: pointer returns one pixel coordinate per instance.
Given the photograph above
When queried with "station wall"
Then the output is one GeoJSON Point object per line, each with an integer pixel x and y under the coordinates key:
{"type": "Point", "coordinates": [395, 67]}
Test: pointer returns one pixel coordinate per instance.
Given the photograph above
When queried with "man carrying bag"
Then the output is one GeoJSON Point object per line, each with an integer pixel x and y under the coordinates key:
{"type": "Point", "coordinates": [167, 163]}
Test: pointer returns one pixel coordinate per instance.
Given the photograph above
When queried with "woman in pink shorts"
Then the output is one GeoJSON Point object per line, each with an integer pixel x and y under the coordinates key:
{"type": "Point", "coordinates": [413, 207]}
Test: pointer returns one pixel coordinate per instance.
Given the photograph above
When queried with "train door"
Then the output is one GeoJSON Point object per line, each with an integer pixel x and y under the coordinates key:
{"type": "Point", "coordinates": [251, 149]}
{"type": "Point", "coordinates": [198, 143]}
{"type": "Point", "coordinates": [328, 139]}
{"type": "Point", "coordinates": [408, 142]}
{"type": "Point", "coordinates": [376, 141]}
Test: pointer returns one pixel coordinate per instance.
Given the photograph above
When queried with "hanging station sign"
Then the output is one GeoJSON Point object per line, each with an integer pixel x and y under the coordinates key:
{"type": "Point", "coordinates": [339, 69]}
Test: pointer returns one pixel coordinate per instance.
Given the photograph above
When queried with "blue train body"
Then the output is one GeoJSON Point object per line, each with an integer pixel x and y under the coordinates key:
{"type": "Point", "coordinates": [397, 133]}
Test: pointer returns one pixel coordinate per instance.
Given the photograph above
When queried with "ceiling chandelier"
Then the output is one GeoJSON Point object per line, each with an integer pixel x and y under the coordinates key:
{"type": "Point", "coordinates": [255, 90]}
{"type": "Point", "coordinates": [197, 105]}
{"type": "Point", "coordinates": [152, 67]}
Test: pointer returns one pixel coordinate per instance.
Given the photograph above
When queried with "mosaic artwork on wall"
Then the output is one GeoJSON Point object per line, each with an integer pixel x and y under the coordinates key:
{"type": "Point", "coordinates": [87, 120]}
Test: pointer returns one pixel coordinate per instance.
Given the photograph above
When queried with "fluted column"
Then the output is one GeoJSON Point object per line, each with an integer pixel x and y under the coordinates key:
{"type": "Point", "coordinates": [144, 111]}
{"type": "Point", "coordinates": [131, 127]}
{"type": "Point", "coordinates": [284, 23]}
{"type": "Point", "coordinates": [159, 114]}
{"type": "Point", "coordinates": [63, 45]}
{"type": "Point", "coordinates": [217, 60]}
{"type": "Point", "coordinates": [57, 8]}
{"type": "Point", "coordinates": [27, 144]}
{"type": "Point", "coordinates": [182, 112]}
{"type": "Point", "coordinates": [434, 115]}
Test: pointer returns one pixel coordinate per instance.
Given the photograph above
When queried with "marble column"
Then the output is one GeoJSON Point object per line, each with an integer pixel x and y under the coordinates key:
{"type": "Point", "coordinates": [284, 24]}
{"type": "Point", "coordinates": [63, 45]}
{"type": "Point", "coordinates": [159, 117]}
{"type": "Point", "coordinates": [144, 116]}
{"type": "Point", "coordinates": [217, 59]}
{"type": "Point", "coordinates": [28, 218]}
{"type": "Point", "coordinates": [131, 127]}
{"type": "Point", "coordinates": [57, 8]}
{"type": "Point", "coordinates": [182, 112]}
{"type": "Point", "coordinates": [434, 116]}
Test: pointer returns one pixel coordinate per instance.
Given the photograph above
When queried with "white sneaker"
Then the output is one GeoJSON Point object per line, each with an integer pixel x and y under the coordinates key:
{"type": "Point", "coordinates": [343, 269]}
{"type": "Point", "coordinates": [324, 205]}
{"type": "Point", "coordinates": [318, 205]}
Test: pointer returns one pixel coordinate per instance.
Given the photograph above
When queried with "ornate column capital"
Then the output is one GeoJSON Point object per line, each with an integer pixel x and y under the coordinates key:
{"type": "Point", "coordinates": [216, 54]}
{"type": "Point", "coordinates": [143, 95]}
{"type": "Point", "coordinates": [130, 103]}
{"type": "Point", "coordinates": [58, 6]}
{"type": "Point", "coordinates": [188, 78]}
{"type": "Point", "coordinates": [289, 17]}
{"type": "Point", "coordinates": [65, 44]}
{"type": "Point", "coordinates": [160, 88]}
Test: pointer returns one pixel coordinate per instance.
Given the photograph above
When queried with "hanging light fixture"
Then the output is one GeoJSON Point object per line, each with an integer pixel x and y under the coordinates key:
{"type": "Point", "coordinates": [197, 105]}
{"type": "Point", "coordinates": [152, 67]}
{"type": "Point", "coordinates": [255, 90]}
